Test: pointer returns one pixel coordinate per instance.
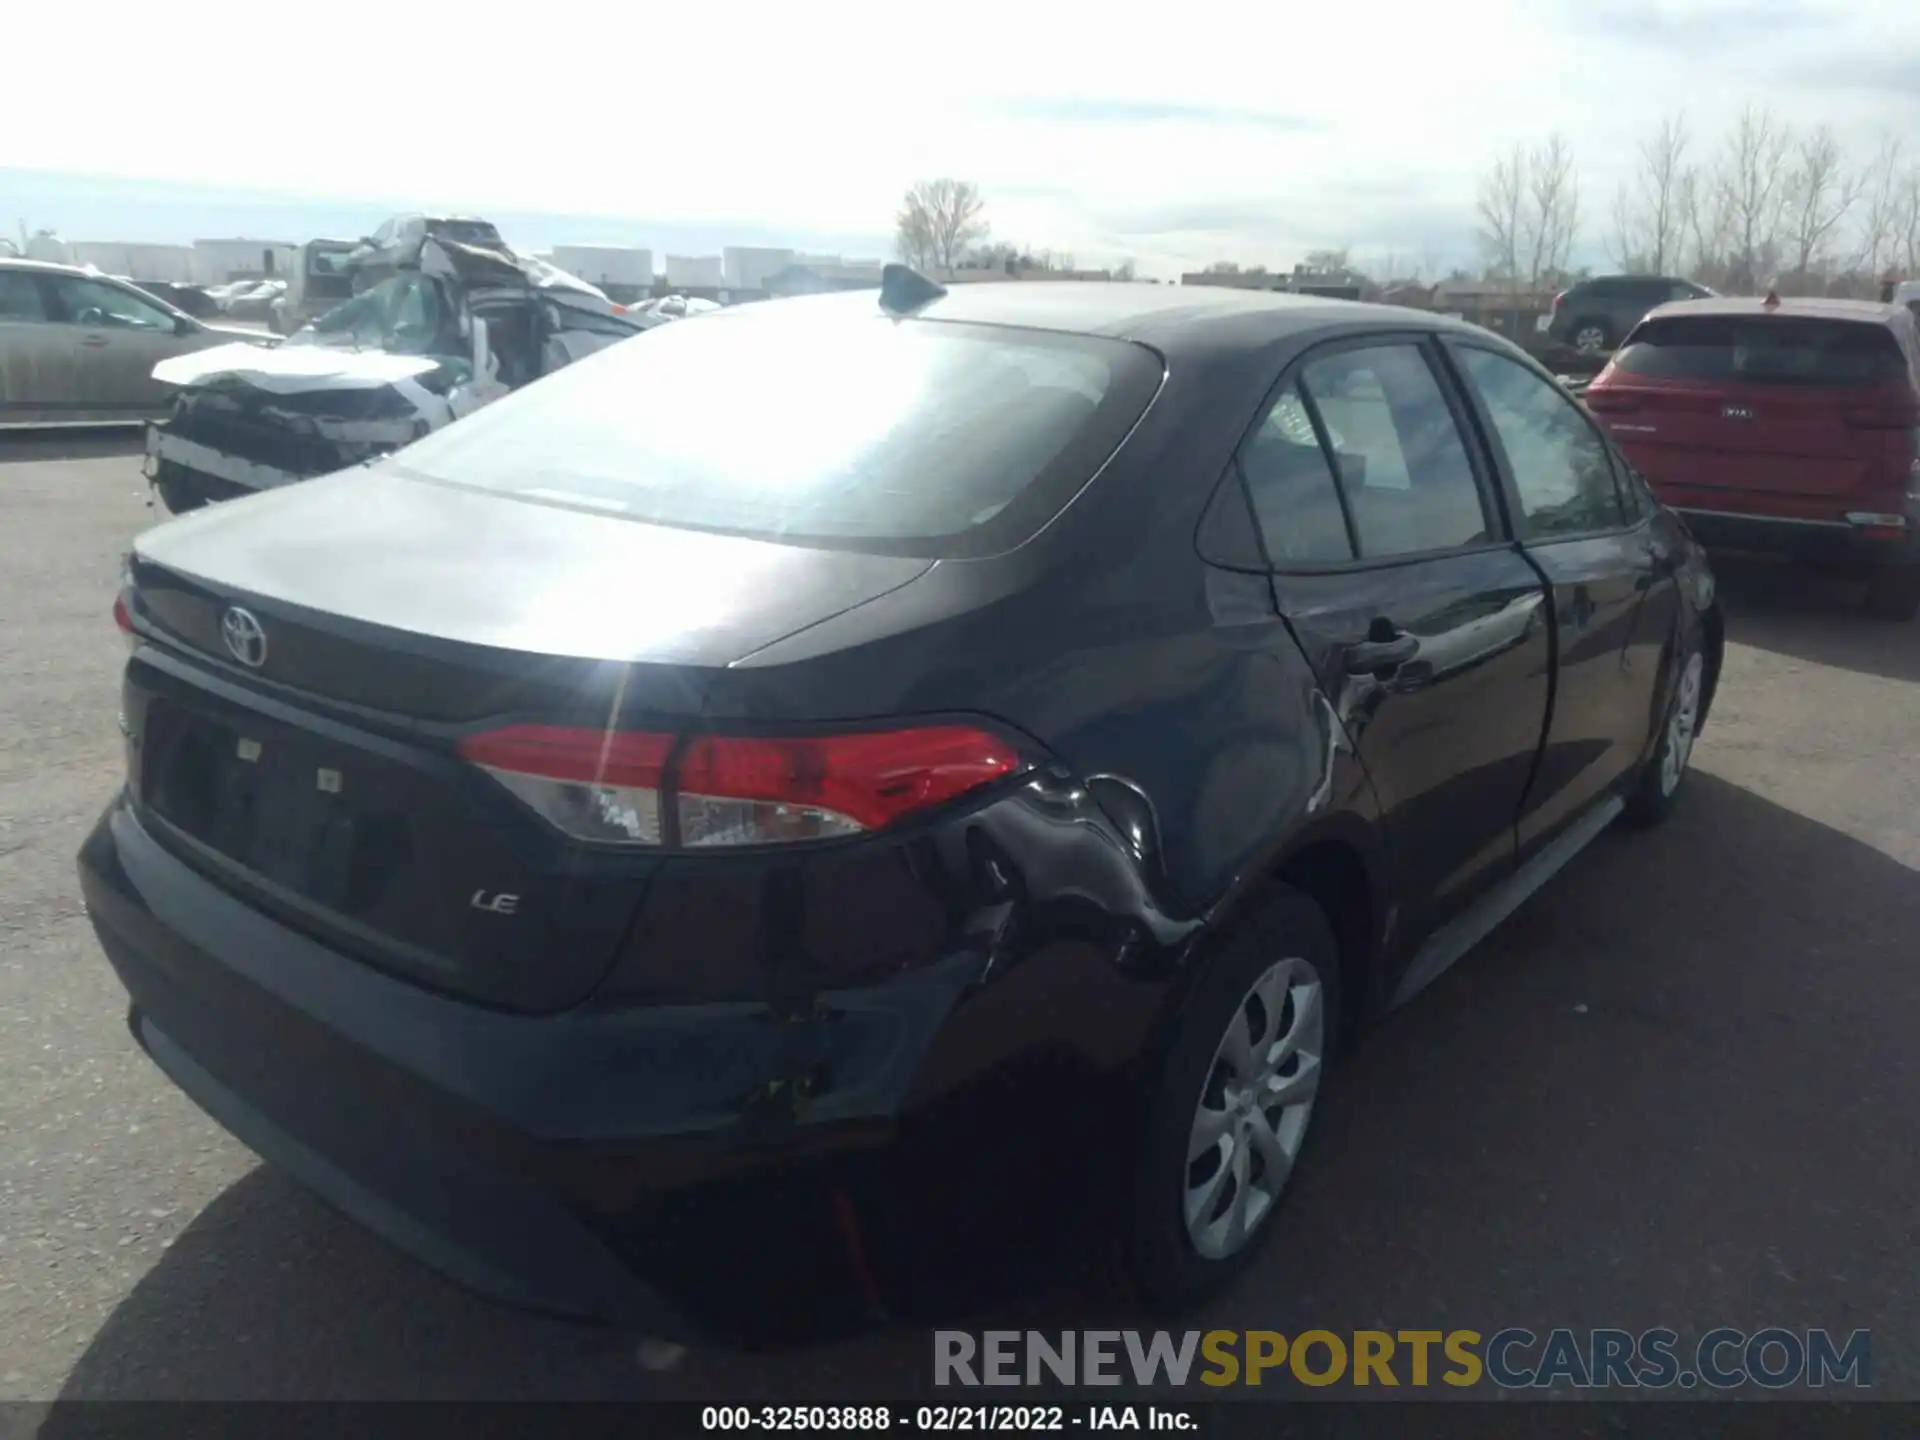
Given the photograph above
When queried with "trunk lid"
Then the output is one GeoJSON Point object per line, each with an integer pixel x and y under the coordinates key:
{"type": "Point", "coordinates": [1711, 407]}
{"type": "Point", "coordinates": [305, 755]}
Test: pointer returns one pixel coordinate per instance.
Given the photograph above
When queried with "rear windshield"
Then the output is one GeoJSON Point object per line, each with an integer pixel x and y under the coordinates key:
{"type": "Point", "coordinates": [1764, 350]}
{"type": "Point", "coordinates": [814, 422]}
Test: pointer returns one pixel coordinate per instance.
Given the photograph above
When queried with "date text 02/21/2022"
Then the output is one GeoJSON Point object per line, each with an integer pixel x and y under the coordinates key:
{"type": "Point", "coordinates": [936, 1419]}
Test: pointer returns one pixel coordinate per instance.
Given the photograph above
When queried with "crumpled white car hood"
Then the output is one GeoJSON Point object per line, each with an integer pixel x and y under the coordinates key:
{"type": "Point", "coordinates": [291, 369]}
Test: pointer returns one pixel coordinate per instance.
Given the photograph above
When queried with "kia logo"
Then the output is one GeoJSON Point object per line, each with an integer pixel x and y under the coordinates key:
{"type": "Point", "coordinates": [244, 637]}
{"type": "Point", "coordinates": [1736, 412]}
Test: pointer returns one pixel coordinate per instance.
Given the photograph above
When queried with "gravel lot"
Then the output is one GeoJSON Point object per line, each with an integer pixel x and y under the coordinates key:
{"type": "Point", "coordinates": [1677, 1088]}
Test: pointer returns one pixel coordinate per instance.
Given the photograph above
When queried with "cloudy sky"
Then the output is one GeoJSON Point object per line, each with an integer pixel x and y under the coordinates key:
{"type": "Point", "coordinates": [1172, 134]}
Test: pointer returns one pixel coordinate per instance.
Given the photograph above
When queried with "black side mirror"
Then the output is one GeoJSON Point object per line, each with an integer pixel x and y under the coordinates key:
{"type": "Point", "coordinates": [185, 325]}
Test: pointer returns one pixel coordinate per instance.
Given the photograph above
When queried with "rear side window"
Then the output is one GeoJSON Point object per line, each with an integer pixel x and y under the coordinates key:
{"type": "Point", "coordinates": [817, 422]}
{"type": "Point", "coordinates": [1290, 482]}
{"type": "Point", "coordinates": [1402, 464]}
{"type": "Point", "coordinates": [1763, 350]}
{"type": "Point", "coordinates": [1392, 477]}
{"type": "Point", "coordinates": [20, 297]}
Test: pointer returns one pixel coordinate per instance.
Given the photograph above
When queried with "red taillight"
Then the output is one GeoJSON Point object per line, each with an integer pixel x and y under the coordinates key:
{"type": "Point", "coordinates": [122, 616]}
{"type": "Point", "coordinates": [609, 787]}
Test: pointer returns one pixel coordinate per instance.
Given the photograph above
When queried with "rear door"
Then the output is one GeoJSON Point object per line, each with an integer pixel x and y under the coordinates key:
{"type": "Point", "coordinates": [1427, 629]}
{"type": "Point", "coordinates": [37, 354]}
{"type": "Point", "coordinates": [1792, 415]}
{"type": "Point", "coordinates": [1615, 595]}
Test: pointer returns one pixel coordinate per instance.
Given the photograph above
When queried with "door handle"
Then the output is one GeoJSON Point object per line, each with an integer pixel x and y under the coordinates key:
{"type": "Point", "coordinates": [1376, 657]}
{"type": "Point", "coordinates": [93, 341]}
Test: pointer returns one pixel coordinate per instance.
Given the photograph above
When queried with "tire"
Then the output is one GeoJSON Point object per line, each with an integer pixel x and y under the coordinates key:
{"type": "Point", "coordinates": [1659, 784]}
{"type": "Point", "coordinates": [1893, 592]}
{"type": "Point", "coordinates": [177, 491]}
{"type": "Point", "coordinates": [1592, 337]}
{"type": "Point", "coordinates": [1285, 948]}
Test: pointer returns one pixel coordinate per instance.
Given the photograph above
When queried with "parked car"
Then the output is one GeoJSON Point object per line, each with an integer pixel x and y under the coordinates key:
{"type": "Point", "coordinates": [454, 327]}
{"type": "Point", "coordinates": [617, 852]}
{"type": "Point", "coordinates": [80, 347]}
{"type": "Point", "coordinates": [255, 301]}
{"type": "Point", "coordinates": [1590, 318]}
{"type": "Point", "coordinates": [1907, 293]}
{"type": "Point", "coordinates": [1782, 426]}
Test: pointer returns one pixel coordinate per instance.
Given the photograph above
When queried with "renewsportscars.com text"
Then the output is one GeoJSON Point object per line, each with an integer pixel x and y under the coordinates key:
{"type": "Point", "coordinates": [1773, 1358]}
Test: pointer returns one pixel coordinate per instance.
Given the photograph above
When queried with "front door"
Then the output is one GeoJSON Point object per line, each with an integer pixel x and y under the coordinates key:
{"type": "Point", "coordinates": [1424, 624]}
{"type": "Point", "coordinates": [1614, 595]}
{"type": "Point", "coordinates": [120, 336]}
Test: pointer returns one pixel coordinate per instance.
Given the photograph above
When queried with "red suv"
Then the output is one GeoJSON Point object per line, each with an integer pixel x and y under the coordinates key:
{"type": "Point", "coordinates": [1785, 426]}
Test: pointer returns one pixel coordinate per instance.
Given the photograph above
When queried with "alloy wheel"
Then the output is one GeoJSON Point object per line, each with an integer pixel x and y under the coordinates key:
{"type": "Point", "coordinates": [1254, 1108]}
{"type": "Point", "coordinates": [1590, 340]}
{"type": "Point", "coordinates": [1683, 725]}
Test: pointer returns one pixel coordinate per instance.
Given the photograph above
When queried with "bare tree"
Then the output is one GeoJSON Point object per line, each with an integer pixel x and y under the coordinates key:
{"type": "Point", "coordinates": [1551, 219]}
{"type": "Point", "coordinates": [1649, 217]}
{"type": "Point", "coordinates": [1909, 220]}
{"type": "Point", "coordinates": [938, 221]}
{"type": "Point", "coordinates": [1502, 206]}
{"type": "Point", "coordinates": [1751, 182]}
{"type": "Point", "coordinates": [1125, 270]}
{"type": "Point", "coordinates": [1529, 208]}
{"type": "Point", "coordinates": [1819, 193]}
{"type": "Point", "coordinates": [1877, 243]}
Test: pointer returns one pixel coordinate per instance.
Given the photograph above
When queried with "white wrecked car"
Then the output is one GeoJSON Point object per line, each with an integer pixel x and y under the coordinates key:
{"type": "Point", "coordinates": [445, 326]}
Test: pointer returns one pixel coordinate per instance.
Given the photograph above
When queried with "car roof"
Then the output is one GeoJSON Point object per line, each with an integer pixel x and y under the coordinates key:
{"type": "Point", "coordinates": [1817, 306]}
{"type": "Point", "coordinates": [50, 267]}
{"type": "Point", "coordinates": [1170, 318]}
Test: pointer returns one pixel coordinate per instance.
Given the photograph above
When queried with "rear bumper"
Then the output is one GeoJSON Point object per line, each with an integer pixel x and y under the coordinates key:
{"type": "Point", "coordinates": [1824, 542]}
{"type": "Point", "coordinates": [696, 1172]}
{"type": "Point", "coordinates": [225, 476]}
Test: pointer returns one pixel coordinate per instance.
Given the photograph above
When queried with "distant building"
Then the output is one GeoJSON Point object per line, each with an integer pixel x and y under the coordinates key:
{"type": "Point", "coordinates": [1328, 284]}
{"type": "Point", "coordinates": [134, 260]}
{"type": "Point", "coordinates": [622, 266]}
{"type": "Point", "coordinates": [817, 275]}
{"type": "Point", "coordinates": [695, 272]}
{"type": "Point", "coordinates": [1011, 270]}
{"type": "Point", "coordinates": [747, 267]}
{"type": "Point", "coordinates": [218, 261]}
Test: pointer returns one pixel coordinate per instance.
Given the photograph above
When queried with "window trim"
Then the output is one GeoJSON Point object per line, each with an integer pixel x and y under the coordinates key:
{"type": "Point", "coordinates": [1519, 521]}
{"type": "Point", "coordinates": [1493, 505]}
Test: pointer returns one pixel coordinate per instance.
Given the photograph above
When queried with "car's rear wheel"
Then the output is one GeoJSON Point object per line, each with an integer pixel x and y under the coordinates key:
{"type": "Point", "coordinates": [1893, 593]}
{"type": "Point", "coordinates": [1659, 784]}
{"type": "Point", "coordinates": [1593, 337]}
{"type": "Point", "coordinates": [1234, 1103]}
{"type": "Point", "coordinates": [178, 490]}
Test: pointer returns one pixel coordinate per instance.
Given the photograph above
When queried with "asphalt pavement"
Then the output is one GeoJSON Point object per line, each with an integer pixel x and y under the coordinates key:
{"type": "Point", "coordinates": [1677, 1088]}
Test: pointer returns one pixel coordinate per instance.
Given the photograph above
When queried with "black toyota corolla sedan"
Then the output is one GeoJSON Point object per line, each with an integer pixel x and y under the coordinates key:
{"type": "Point", "coordinates": [862, 790]}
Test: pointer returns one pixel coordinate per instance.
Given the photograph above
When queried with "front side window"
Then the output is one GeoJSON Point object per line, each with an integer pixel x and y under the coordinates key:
{"type": "Point", "coordinates": [1402, 464]}
{"type": "Point", "coordinates": [97, 304]}
{"type": "Point", "coordinates": [1560, 465]}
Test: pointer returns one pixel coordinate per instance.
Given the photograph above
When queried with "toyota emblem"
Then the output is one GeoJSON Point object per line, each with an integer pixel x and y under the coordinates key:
{"type": "Point", "coordinates": [244, 637]}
